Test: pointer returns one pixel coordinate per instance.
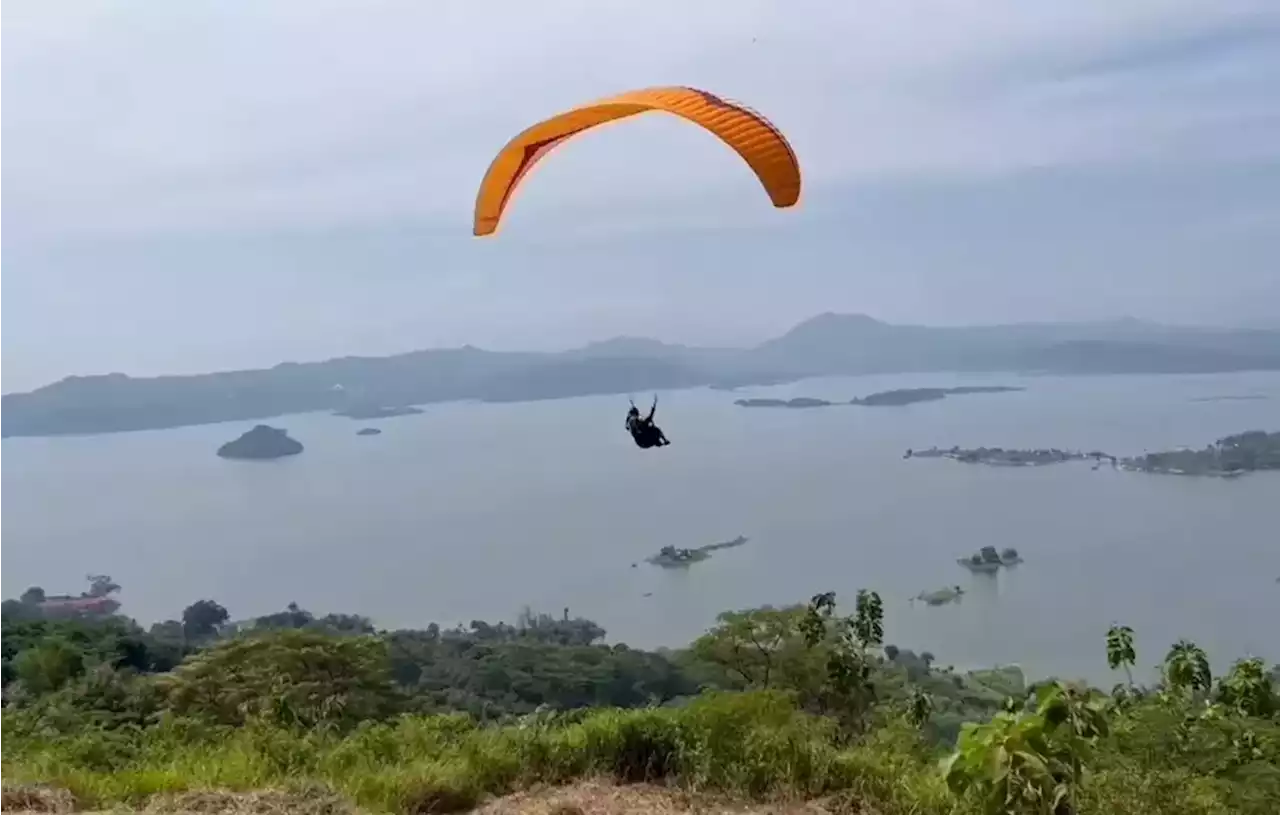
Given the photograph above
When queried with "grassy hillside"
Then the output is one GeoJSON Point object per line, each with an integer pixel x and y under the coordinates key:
{"type": "Point", "coordinates": [796, 704]}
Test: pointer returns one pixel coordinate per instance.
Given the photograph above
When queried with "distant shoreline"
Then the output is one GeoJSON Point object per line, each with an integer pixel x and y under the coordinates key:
{"type": "Point", "coordinates": [827, 345]}
{"type": "Point", "coordinates": [890, 398]}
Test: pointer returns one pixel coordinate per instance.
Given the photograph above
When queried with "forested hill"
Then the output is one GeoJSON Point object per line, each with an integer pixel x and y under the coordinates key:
{"type": "Point", "coordinates": [828, 344]}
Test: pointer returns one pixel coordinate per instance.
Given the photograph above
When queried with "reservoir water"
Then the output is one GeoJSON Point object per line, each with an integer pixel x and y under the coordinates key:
{"type": "Point", "coordinates": [474, 511]}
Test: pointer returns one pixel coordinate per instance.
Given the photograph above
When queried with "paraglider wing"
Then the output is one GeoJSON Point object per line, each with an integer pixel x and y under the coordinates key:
{"type": "Point", "coordinates": [750, 135]}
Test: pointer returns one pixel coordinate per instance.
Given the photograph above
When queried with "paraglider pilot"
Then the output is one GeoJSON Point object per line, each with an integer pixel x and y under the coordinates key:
{"type": "Point", "coordinates": [643, 431]}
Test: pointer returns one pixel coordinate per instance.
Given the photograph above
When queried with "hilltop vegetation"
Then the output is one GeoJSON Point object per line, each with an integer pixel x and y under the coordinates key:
{"type": "Point", "coordinates": [828, 344]}
{"type": "Point", "coordinates": [798, 702]}
{"type": "Point", "coordinates": [1245, 452]}
{"type": "Point", "coordinates": [1237, 454]}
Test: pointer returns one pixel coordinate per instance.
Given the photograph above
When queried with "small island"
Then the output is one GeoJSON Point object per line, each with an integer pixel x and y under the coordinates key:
{"type": "Point", "coordinates": [988, 561]}
{"type": "Point", "coordinates": [368, 431]}
{"type": "Point", "coordinates": [900, 396]}
{"type": "Point", "coordinates": [798, 402]}
{"type": "Point", "coordinates": [261, 443]}
{"type": "Point", "coordinates": [1001, 457]}
{"type": "Point", "coordinates": [941, 597]}
{"type": "Point", "coordinates": [671, 557]}
{"type": "Point", "coordinates": [378, 411]}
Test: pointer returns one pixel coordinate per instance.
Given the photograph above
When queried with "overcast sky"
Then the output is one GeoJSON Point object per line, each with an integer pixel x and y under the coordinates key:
{"type": "Point", "coordinates": [196, 185]}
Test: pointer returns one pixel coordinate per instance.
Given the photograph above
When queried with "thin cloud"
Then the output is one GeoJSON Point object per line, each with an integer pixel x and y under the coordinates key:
{"type": "Point", "coordinates": [144, 117]}
{"type": "Point", "coordinates": [968, 160]}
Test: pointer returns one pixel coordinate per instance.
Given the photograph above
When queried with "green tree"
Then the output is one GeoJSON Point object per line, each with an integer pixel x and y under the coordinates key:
{"type": "Point", "coordinates": [868, 620]}
{"type": "Point", "coordinates": [1247, 689]}
{"type": "Point", "coordinates": [1186, 668]}
{"type": "Point", "coordinates": [292, 617]}
{"type": "Point", "coordinates": [1032, 760]}
{"type": "Point", "coordinates": [293, 678]}
{"type": "Point", "coordinates": [848, 690]}
{"type": "Point", "coordinates": [201, 619]}
{"type": "Point", "coordinates": [101, 585]}
{"type": "Point", "coordinates": [345, 624]}
{"type": "Point", "coordinates": [762, 648]}
{"type": "Point", "coordinates": [919, 707]}
{"type": "Point", "coordinates": [103, 697]}
{"type": "Point", "coordinates": [48, 666]}
{"type": "Point", "coordinates": [170, 631]}
{"type": "Point", "coordinates": [1120, 651]}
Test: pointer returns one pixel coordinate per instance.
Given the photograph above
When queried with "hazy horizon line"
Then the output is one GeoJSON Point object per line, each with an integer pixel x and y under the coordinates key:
{"type": "Point", "coordinates": [1123, 319]}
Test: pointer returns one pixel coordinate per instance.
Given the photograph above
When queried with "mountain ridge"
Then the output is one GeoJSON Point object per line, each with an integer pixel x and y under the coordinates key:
{"type": "Point", "coordinates": [825, 344]}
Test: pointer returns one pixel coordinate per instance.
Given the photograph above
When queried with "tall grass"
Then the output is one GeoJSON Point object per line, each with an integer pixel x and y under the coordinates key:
{"type": "Point", "coordinates": [754, 744]}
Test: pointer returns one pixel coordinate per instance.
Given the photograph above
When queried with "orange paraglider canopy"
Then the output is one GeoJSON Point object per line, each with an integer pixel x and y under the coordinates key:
{"type": "Point", "coordinates": [751, 135]}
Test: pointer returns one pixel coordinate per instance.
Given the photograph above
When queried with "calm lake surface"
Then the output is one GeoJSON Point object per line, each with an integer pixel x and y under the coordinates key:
{"type": "Point", "coordinates": [473, 511]}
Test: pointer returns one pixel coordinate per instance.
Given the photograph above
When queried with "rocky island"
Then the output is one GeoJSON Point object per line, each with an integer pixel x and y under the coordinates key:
{"type": "Point", "coordinates": [261, 443]}
{"type": "Point", "coordinates": [987, 561]}
{"type": "Point", "coordinates": [378, 411]}
{"type": "Point", "coordinates": [900, 396]}
{"type": "Point", "coordinates": [672, 557]}
{"type": "Point", "coordinates": [941, 597]}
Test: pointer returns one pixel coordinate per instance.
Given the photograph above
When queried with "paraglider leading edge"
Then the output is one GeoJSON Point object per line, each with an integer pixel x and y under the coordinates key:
{"type": "Point", "coordinates": [753, 137]}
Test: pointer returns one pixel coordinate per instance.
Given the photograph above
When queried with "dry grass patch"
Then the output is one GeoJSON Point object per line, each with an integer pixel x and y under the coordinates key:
{"type": "Point", "coordinates": [36, 798]}
{"type": "Point", "coordinates": [266, 802]}
{"type": "Point", "coordinates": [605, 798]}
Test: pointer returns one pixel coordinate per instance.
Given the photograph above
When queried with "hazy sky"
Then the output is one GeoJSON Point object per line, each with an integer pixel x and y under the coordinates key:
{"type": "Point", "coordinates": [194, 185]}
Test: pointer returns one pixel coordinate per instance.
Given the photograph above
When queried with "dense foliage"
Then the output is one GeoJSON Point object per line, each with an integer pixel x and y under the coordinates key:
{"type": "Point", "coordinates": [1241, 453]}
{"type": "Point", "coordinates": [792, 701]}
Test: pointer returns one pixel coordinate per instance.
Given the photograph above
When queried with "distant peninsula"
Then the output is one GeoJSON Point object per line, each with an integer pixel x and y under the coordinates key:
{"type": "Point", "coordinates": [900, 396]}
{"type": "Point", "coordinates": [1248, 397]}
{"type": "Point", "coordinates": [1230, 456]}
{"type": "Point", "coordinates": [798, 402]}
{"type": "Point", "coordinates": [822, 346]}
{"type": "Point", "coordinates": [378, 412]}
{"type": "Point", "coordinates": [906, 396]}
{"type": "Point", "coordinates": [261, 443]}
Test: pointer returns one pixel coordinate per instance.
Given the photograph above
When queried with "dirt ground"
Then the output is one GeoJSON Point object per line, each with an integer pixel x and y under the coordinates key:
{"type": "Point", "coordinates": [586, 798]}
{"type": "Point", "coordinates": [602, 798]}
